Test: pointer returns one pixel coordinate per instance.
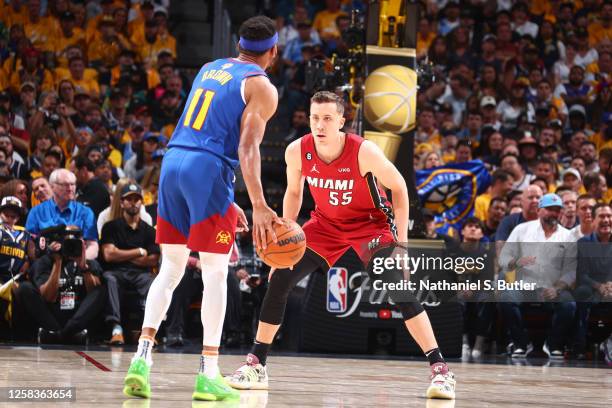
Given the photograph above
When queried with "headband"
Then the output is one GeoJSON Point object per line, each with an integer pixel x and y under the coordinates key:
{"type": "Point", "coordinates": [259, 45]}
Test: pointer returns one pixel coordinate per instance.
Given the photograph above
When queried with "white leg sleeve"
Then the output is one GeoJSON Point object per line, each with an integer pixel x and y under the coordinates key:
{"type": "Point", "coordinates": [174, 261]}
{"type": "Point", "coordinates": [214, 299]}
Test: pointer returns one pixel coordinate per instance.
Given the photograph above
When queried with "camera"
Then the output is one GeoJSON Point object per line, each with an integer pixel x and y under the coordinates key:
{"type": "Point", "coordinates": [53, 120]}
{"type": "Point", "coordinates": [343, 69]}
{"type": "Point", "coordinates": [70, 237]}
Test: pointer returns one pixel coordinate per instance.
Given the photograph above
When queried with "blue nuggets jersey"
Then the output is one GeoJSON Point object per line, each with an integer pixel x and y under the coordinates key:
{"type": "Point", "coordinates": [212, 115]}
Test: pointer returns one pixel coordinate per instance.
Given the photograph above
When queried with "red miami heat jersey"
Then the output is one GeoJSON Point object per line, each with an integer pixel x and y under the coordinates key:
{"type": "Point", "coordinates": [342, 196]}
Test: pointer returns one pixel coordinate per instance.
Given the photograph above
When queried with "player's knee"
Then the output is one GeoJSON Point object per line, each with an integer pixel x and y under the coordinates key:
{"type": "Point", "coordinates": [410, 309]}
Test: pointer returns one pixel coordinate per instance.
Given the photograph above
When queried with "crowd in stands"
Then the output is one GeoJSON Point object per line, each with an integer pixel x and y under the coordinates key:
{"type": "Point", "coordinates": [90, 95]}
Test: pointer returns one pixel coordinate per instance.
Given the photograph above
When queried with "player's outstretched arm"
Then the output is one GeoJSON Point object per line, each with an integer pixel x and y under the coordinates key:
{"type": "Point", "coordinates": [261, 101]}
{"type": "Point", "coordinates": [292, 201]}
{"type": "Point", "coordinates": [373, 160]}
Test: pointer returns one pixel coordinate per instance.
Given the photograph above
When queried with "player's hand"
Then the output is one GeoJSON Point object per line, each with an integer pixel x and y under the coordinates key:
{"type": "Point", "coordinates": [263, 229]}
{"type": "Point", "coordinates": [243, 223]}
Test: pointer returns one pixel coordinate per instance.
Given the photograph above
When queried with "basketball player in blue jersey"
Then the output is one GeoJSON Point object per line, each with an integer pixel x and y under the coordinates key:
{"type": "Point", "coordinates": [222, 126]}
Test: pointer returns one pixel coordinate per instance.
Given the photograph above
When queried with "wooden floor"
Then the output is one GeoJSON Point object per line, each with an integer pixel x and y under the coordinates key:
{"type": "Point", "coordinates": [304, 382]}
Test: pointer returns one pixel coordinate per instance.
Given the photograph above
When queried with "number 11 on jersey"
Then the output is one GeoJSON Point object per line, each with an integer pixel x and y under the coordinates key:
{"type": "Point", "coordinates": [201, 116]}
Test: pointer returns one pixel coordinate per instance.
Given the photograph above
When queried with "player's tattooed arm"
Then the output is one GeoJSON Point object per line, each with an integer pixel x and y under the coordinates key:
{"type": "Point", "coordinates": [372, 160]}
{"type": "Point", "coordinates": [292, 201]}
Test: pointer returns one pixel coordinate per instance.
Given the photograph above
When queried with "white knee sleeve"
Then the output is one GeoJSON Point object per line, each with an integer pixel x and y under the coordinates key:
{"type": "Point", "coordinates": [174, 261]}
{"type": "Point", "coordinates": [214, 299]}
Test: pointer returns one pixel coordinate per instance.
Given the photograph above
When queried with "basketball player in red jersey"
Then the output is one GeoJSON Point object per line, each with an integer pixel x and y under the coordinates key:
{"type": "Point", "coordinates": [351, 212]}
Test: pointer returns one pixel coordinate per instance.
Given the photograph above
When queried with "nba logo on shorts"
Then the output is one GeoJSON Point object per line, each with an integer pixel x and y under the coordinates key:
{"type": "Point", "coordinates": [337, 279]}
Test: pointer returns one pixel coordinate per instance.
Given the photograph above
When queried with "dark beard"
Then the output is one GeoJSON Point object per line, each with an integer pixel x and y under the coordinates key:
{"type": "Point", "coordinates": [550, 221]}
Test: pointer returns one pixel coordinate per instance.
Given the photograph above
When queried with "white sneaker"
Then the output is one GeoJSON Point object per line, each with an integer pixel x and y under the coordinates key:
{"type": "Point", "coordinates": [442, 382]}
{"type": "Point", "coordinates": [251, 376]}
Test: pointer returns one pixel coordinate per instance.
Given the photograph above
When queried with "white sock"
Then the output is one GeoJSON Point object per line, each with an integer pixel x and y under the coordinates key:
{"type": "Point", "coordinates": [145, 346]}
{"type": "Point", "coordinates": [174, 261]}
{"type": "Point", "coordinates": [209, 365]}
{"type": "Point", "coordinates": [117, 329]}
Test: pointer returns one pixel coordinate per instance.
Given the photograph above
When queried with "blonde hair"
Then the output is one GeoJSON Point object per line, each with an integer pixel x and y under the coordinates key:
{"type": "Point", "coordinates": [115, 207]}
{"type": "Point", "coordinates": [150, 180]}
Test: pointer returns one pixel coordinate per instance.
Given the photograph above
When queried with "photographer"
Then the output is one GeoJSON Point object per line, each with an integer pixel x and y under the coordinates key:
{"type": "Point", "coordinates": [130, 253]}
{"type": "Point", "coordinates": [65, 294]}
{"type": "Point", "coordinates": [53, 114]}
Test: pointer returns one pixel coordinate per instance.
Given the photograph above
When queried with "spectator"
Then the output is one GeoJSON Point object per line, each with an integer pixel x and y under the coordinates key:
{"type": "Point", "coordinates": [571, 179]}
{"type": "Point", "coordinates": [538, 250]}
{"type": "Point", "coordinates": [575, 92]}
{"type": "Point", "coordinates": [114, 211]}
{"type": "Point", "coordinates": [325, 20]}
{"type": "Point", "coordinates": [39, 145]}
{"type": "Point", "coordinates": [130, 253]}
{"type": "Point", "coordinates": [292, 54]}
{"type": "Point", "coordinates": [529, 212]}
{"type": "Point", "coordinates": [91, 191]}
{"type": "Point", "coordinates": [588, 153]}
{"type": "Point", "coordinates": [546, 169]}
{"type": "Point", "coordinates": [584, 211]}
{"type": "Point", "coordinates": [136, 167]}
{"type": "Point", "coordinates": [595, 185]}
{"type": "Point", "coordinates": [521, 179]}
{"type": "Point", "coordinates": [41, 190]}
{"type": "Point", "coordinates": [65, 295]}
{"type": "Point", "coordinates": [594, 277]}
{"type": "Point", "coordinates": [578, 164]}
{"type": "Point", "coordinates": [473, 124]}
{"type": "Point", "coordinates": [568, 218]}
{"type": "Point", "coordinates": [16, 245]}
{"type": "Point", "coordinates": [16, 169]}
{"type": "Point", "coordinates": [463, 152]}
{"type": "Point", "coordinates": [521, 23]}
{"type": "Point", "coordinates": [516, 105]}
{"type": "Point", "coordinates": [501, 185]}
{"type": "Point", "coordinates": [63, 209]}
{"type": "Point", "coordinates": [498, 209]}
{"type": "Point", "coordinates": [290, 31]}
{"type": "Point", "coordinates": [478, 310]}
{"type": "Point", "coordinates": [489, 113]}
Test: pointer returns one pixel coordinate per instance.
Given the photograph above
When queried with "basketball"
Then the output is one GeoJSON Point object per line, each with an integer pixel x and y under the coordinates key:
{"type": "Point", "coordinates": [289, 248]}
{"type": "Point", "coordinates": [390, 98]}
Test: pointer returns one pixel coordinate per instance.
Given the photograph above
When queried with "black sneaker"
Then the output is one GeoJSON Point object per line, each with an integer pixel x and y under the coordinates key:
{"type": "Point", "coordinates": [174, 340]}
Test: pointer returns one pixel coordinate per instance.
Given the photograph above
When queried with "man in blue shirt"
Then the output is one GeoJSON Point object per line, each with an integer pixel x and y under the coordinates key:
{"type": "Point", "coordinates": [293, 50]}
{"type": "Point", "coordinates": [529, 204]}
{"type": "Point", "coordinates": [64, 209]}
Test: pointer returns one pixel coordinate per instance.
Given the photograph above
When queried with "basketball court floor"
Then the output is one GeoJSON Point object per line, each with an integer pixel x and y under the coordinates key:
{"type": "Point", "coordinates": [303, 381]}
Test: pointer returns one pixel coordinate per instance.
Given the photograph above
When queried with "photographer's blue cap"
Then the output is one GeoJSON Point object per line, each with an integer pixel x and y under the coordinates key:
{"type": "Point", "coordinates": [550, 200]}
{"type": "Point", "coordinates": [155, 135]}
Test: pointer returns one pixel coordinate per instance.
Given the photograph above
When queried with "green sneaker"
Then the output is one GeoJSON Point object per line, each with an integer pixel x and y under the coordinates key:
{"type": "Point", "coordinates": [136, 381]}
{"type": "Point", "coordinates": [213, 390]}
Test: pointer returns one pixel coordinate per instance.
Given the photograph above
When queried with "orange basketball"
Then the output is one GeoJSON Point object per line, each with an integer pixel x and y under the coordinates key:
{"type": "Point", "coordinates": [289, 247]}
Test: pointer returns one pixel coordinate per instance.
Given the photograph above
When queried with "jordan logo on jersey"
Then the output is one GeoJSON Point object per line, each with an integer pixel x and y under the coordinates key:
{"type": "Point", "coordinates": [314, 169]}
